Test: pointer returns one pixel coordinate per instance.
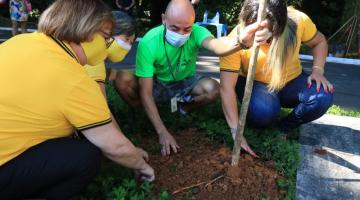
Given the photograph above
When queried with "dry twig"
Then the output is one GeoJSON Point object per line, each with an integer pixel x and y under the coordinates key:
{"type": "Point", "coordinates": [197, 185]}
{"type": "Point", "coordinates": [215, 179]}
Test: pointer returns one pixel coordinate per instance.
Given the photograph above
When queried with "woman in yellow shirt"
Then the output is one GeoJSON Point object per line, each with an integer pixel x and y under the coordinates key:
{"type": "Point", "coordinates": [118, 44]}
{"type": "Point", "coordinates": [279, 78]}
{"type": "Point", "coordinates": [46, 95]}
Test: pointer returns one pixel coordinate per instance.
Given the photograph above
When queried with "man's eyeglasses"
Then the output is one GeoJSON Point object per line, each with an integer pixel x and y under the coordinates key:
{"type": "Point", "coordinates": [109, 39]}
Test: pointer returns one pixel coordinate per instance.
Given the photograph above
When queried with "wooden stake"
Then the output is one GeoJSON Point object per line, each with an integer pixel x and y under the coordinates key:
{"type": "Point", "coordinates": [248, 90]}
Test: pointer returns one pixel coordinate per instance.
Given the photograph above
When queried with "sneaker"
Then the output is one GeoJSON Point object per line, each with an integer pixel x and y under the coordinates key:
{"type": "Point", "coordinates": [181, 110]}
{"type": "Point", "coordinates": [185, 99]}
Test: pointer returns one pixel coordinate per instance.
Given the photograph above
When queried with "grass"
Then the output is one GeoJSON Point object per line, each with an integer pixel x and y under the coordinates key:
{"type": "Point", "coordinates": [337, 110]}
{"type": "Point", "coordinates": [115, 182]}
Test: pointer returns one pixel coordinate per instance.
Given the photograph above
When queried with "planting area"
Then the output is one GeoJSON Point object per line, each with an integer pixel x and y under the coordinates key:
{"type": "Point", "coordinates": [202, 170]}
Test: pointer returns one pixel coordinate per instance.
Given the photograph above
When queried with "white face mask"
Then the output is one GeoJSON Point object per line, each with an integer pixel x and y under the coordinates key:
{"type": "Point", "coordinates": [123, 44]}
{"type": "Point", "coordinates": [176, 39]}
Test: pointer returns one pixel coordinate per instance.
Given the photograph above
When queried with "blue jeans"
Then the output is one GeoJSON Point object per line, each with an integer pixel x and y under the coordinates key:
{"type": "Point", "coordinates": [264, 106]}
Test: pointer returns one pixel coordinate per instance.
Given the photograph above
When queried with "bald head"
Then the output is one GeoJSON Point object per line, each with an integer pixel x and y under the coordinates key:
{"type": "Point", "coordinates": [180, 8]}
{"type": "Point", "coordinates": [179, 16]}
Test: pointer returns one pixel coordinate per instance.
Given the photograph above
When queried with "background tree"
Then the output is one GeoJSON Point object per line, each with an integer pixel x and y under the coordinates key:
{"type": "Point", "coordinates": [351, 8]}
{"type": "Point", "coordinates": [229, 9]}
{"type": "Point", "coordinates": [325, 13]}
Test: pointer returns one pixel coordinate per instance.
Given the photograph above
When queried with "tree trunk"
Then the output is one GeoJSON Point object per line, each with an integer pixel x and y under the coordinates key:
{"type": "Point", "coordinates": [247, 93]}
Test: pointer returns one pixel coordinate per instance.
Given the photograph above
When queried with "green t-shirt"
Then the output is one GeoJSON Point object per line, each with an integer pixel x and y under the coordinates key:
{"type": "Point", "coordinates": [151, 58]}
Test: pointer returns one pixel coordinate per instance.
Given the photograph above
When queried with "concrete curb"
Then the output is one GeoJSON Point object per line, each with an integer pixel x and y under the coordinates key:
{"type": "Point", "coordinates": [9, 29]}
{"type": "Point", "coordinates": [346, 61]}
{"type": "Point", "coordinates": [336, 120]}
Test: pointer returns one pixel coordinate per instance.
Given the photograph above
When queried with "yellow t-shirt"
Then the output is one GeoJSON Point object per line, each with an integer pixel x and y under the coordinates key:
{"type": "Point", "coordinates": [97, 72]}
{"type": "Point", "coordinates": [239, 61]}
{"type": "Point", "coordinates": [44, 94]}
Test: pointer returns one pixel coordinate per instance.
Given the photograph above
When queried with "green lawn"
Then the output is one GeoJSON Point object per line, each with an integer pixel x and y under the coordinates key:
{"type": "Point", "coordinates": [117, 183]}
{"type": "Point", "coordinates": [337, 110]}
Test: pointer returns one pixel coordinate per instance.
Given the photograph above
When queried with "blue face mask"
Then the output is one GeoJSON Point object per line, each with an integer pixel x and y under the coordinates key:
{"type": "Point", "coordinates": [176, 39]}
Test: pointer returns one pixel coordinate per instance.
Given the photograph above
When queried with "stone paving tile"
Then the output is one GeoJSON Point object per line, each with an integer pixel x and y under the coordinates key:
{"type": "Point", "coordinates": [330, 165]}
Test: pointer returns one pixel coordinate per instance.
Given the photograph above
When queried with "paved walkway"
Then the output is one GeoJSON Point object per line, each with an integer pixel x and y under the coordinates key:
{"type": "Point", "coordinates": [330, 166]}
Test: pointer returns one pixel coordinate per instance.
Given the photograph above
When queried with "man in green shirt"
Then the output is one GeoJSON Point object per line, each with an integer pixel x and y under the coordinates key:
{"type": "Point", "coordinates": [166, 66]}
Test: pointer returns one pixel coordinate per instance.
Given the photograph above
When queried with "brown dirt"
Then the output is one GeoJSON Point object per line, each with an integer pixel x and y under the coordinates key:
{"type": "Point", "coordinates": [199, 161]}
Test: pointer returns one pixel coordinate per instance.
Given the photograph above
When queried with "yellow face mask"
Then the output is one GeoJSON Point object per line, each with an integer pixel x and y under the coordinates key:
{"type": "Point", "coordinates": [118, 50]}
{"type": "Point", "coordinates": [95, 50]}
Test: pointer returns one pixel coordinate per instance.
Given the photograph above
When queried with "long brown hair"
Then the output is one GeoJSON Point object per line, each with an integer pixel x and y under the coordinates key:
{"type": "Point", "coordinates": [74, 20]}
{"type": "Point", "coordinates": [284, 40]}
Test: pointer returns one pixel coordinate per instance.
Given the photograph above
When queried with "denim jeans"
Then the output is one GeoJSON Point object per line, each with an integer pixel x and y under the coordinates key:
{"type": "Point", "coordinates": [264, 107]}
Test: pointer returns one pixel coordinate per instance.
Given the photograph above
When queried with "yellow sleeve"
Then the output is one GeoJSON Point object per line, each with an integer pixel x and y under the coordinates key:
{"type": "Point", "coordinates": [85, 107]}
{"type": "Point", "coordinates": [308, 28]}
{"type": "Point", "coordinates": [97, 72]}
{"type": "Point", "coordinates": [231, 62]}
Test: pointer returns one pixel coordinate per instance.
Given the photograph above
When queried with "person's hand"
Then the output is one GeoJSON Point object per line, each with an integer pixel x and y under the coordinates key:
{"type": "Point", "coordinates": [143, 154]}
{"type": "Point", "coordinates": [256, 32]}
{"type": "Point", "coordinates": [145, 174]}
{"type": "Point", "coordinates": [167, 143]}
{"type": "Point", "coordinates": [317, 75]}
{"type": "Point", "coordinates": [243, 143]}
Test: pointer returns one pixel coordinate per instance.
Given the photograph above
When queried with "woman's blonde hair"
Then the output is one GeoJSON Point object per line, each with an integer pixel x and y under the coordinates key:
{"type": "Point", "coordinates": [74, 20]}
{"type": "Point", "coordinates": [283, 42]}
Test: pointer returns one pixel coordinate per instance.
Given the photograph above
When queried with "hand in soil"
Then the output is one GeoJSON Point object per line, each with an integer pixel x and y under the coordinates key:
{"type": "Point", "coordinates": [168, 143]}
{"type": "Point", "coordinates": [244, 145]}
{"type": "Point", "coordinates": [145, 174]}
{"type": "Point", "coordinates": [143, 154]}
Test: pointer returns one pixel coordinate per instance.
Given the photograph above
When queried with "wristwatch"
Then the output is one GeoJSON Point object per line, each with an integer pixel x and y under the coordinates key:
{"type": "Point", "coordinates": [242, 46]}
